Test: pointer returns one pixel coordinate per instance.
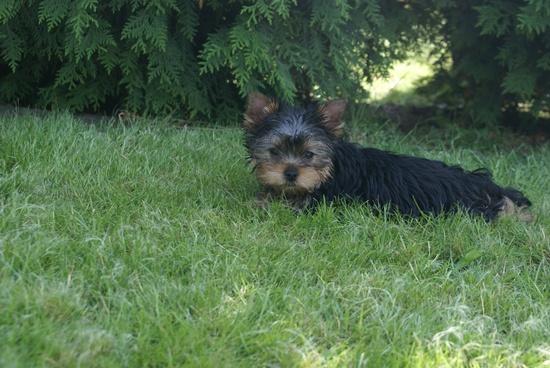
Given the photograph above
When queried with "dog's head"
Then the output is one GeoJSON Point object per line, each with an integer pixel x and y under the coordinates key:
{"type": "Point", "coordinates": [290, 148]}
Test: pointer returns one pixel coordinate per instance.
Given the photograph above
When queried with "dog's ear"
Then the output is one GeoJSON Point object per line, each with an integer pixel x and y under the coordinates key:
{"type": "Point", "coordinates": [258, 107]}
{"type": "Point", "coordinates": [332, 113]}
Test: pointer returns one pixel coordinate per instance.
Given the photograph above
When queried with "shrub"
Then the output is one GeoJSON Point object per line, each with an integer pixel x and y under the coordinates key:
{"type": "Point", "coordinates": [195, 58]}
{"type": "Point", "coordinates": [199, 58]}
{"type": "Point", "coordinates": [500, 53]}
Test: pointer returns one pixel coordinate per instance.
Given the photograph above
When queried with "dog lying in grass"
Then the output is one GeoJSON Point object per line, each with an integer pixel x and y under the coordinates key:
{"type": "Point", "coordinates": [298, 154]}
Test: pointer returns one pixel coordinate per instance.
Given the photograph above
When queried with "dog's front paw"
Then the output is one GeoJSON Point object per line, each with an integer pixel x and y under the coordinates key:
{"type": "Point", "coordinates": [299, 204]}
{"type": "Point", "coordinates": [263, 198]}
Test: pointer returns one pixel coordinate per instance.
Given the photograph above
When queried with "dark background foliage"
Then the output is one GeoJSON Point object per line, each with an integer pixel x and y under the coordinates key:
{"type": "Point", "coordinates": [499, 55]}
{"type": "Point", "coordinates": [198, 59]}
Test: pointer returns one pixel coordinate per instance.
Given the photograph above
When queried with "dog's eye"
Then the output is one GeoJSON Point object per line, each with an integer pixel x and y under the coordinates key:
{"type": "Point", "coordinates": [308, 155]}
{"type": "Point", "coordinates": [273, 152]}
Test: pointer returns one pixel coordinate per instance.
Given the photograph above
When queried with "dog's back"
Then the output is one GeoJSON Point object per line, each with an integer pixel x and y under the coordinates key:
{"type": "Point", "coordinates": [413, 185]}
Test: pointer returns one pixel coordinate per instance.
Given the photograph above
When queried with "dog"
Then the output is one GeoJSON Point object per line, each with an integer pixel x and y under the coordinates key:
{"type": "Point", "coordinates": [298, 154]}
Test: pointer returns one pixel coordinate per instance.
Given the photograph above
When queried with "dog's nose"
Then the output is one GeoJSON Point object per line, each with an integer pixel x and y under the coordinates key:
{"type": "Point", "coordinates": [291, 173]}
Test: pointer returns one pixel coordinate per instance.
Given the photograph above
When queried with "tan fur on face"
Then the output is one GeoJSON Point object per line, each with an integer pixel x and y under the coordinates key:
{"type": "Point", "coordinates": [309, 178]}
{"type": "Point", "coordinates": [271, 175]}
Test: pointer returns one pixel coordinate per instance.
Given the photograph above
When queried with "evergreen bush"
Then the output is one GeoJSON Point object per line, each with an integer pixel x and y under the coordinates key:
{"type": "Point", "coordinates": [194, 58]}
{"type": "Point", "coordinates": [199, 58]}
{"type": "Point", "coordinates": [500, 57]}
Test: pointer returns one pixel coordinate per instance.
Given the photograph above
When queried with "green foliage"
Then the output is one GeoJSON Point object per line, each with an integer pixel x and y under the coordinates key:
{"type": "Point", "coordinates": [100, 56]}
{"type": "Point", "coordinates": [200, 58]}
{"type": "Point", "coordinates": [500, 51]}
{"type": "Point", "coordinates": [194, 58]}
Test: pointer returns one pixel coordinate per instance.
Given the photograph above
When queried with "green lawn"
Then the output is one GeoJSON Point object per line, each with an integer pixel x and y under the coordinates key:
{"type": "Point", "coordinates": [142, 246]}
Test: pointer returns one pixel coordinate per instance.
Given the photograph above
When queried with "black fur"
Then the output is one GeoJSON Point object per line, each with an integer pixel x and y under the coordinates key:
{"type": "Point", "coordinates": [277, 137]}
{"type": "Point", "coordinates": [412, 185]}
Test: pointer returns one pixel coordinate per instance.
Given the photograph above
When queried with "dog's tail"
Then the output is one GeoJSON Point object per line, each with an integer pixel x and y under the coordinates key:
{"type": "Point", "coordinates": [517, 197]}
{"type": "Point", "coordinates": [516, 203]}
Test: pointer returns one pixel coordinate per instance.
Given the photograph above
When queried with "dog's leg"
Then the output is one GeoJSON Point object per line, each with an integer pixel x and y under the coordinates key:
{"type": "Point", "coordinates": [263, 197]}
{"type": "Point", "coordinates": [299, 204]}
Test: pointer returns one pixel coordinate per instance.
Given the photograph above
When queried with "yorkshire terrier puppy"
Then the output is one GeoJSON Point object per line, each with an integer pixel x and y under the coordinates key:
{"type": "Point", "coordinates": [298, 154]}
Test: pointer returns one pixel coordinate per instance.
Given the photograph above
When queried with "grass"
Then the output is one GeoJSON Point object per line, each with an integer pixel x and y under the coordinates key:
{"type": "Point", "coordinates": [141, 246]}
